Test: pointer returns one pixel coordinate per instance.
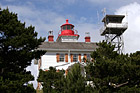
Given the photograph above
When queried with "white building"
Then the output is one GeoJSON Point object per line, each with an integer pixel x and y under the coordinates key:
{"type": "Point", "coordinates": [66, 50]}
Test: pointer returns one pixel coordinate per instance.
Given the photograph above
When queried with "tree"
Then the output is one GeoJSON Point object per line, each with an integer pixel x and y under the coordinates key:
{"type": "Point", "coordinates": [74, 82]}
{"type": "Point", "coordinates": [18, 45]}
{"type": "Point", "coordinates": [52, 80]}
{"type": "Point", "coordinates": [55, 82]}
{"type": "Point", "coordinates": [113, 72]}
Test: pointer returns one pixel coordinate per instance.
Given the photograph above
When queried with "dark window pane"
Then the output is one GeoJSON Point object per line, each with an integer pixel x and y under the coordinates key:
{"type": "Point", "coordinates": [75, 57]}
{"type": "Point", "coordinates": [68, 27]}
{"type": "Point", "coordinates": [64, 28]}
{"type": "Point", "coordinates": [71, 27]}
{"type": "Point", "coordinates": [61, 58]}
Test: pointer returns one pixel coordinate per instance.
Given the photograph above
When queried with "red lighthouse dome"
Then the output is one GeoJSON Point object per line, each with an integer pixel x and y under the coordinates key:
{"type": "Point", "coordinates": [67, 29]}
{"type": "Point", "coordinates": [67, 33]}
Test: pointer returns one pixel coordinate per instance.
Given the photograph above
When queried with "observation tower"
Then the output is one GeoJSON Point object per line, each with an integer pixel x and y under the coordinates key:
{"type": "Point", "coordinates": [113, 29]}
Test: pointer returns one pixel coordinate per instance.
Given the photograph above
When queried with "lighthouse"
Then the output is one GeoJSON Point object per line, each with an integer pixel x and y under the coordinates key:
{"type": "Point", "coordinates": [66, 50]}
{"type": "Point", "coordinates": [67, 33]}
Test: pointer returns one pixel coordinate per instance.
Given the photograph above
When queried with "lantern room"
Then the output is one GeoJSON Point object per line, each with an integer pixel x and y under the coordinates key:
{"type": "Point", "coordinates": [67, 29]}
{"type": "Point", "coordinates": [67, 33]}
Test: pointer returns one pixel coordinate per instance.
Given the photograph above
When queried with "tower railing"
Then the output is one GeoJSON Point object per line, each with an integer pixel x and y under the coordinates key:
{"type": "Point", "coordinates": [123, 25]}
{"type": "Point", "coordinates": [117, 25]}
{"type": "Point", "coordinates": [75, 32]}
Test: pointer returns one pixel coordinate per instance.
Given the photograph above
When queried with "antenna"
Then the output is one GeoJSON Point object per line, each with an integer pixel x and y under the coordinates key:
{"type": "Point", "coordinates": [98, 17]}
{"type": "Point", "coordinates": [126, 17]}
{"type": "Point", "coordinates": [104, 11]}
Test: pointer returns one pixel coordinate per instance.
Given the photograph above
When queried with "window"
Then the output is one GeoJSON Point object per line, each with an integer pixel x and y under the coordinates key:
{"type": "Point", "coordinates": [68, 27]}
{"type": "Point", "coordinates": [61, 57]}
{"type": "Point", "coordinates": [64, 28]}
{"type": "Point", "coordinates": [75, 57]}
{"type": "Point", "coordinates": [88, 57]}
{"type": "Point", "coordinates": [72, 28]}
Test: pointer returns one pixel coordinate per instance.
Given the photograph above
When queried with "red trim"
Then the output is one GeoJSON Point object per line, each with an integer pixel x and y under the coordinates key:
{"type": "Point", "coordinates": [68, 35]}
{"type": "Point", "coordinates": [67, 23]}
{"type": "Point", "coordinates": [67, 32]}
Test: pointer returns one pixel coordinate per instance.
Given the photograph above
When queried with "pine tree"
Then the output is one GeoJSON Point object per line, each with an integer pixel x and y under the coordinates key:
{"type": "Point", "coordinates": [74, 82]}
{"type": "Point", "coordinates": [113, 72]}
{"type": "Point", "coordinates": [18, 45]}
{"type": "Point", "coordinates": [55, 82]}
{"type": "Point", "coordinates": [51, 80]}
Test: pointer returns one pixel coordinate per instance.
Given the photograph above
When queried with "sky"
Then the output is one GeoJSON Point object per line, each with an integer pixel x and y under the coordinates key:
{"type": "Point", "coordinates": [85, 15]}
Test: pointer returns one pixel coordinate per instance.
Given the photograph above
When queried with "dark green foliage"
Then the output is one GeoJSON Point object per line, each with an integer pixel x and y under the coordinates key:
{"type": "Point", "coordinates": [17, 49]}
{"type": "Point", "coordinates": [112, 72]}
{"type": "Point", "coordinates": [52, 81]}
{"type": "Point", "coordinates": [74, 82]}
{"type": "Point", "coordinates": [55, 82]}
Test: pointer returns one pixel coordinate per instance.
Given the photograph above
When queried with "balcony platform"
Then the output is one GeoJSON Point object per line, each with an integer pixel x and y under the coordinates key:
{"type": "Point", "coordinates": [114, 28]}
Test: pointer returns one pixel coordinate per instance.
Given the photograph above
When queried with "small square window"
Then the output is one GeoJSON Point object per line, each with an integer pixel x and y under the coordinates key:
{"type": "Point", "coordinates": [62, 58]}
{"type": "Point", "coordinates": [68, 27]}
{"type": "Point", "coordinates": [88, 57]}
{"type": "Point", "coordinates": [75, 57]}
{"type": "Point", "coordinates": [64, 28]}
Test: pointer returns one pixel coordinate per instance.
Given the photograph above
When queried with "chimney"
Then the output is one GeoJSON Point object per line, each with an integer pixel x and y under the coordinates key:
{"type": "Point", "coordinates": [50, 36]}
{"type": "Point", "coordinates": [87, 37]}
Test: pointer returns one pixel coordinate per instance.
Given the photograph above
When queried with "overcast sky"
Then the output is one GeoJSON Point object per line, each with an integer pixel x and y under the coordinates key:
{"type": "Point", "coordinates": [48, 15]}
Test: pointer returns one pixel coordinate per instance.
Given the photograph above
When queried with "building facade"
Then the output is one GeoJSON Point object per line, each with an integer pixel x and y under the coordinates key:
{"type": "Point", "coordinates": [66, 50]}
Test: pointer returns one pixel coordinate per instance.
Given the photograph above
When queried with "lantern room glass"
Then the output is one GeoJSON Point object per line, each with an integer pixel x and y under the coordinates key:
{"type": "Point", "coordinates": [67, 27]}
{"type": "Point", "coordinates": [64, 27]}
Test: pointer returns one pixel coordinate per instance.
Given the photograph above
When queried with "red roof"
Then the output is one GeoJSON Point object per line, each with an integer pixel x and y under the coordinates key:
{"type": "Point", "coordinates": [67, 23]}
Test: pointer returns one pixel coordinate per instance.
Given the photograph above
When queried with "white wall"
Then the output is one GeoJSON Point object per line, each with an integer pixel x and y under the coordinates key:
{"type": "Point", "coordinates": [49, 59]}
{"type": "Point", "coordinates": [69, 39]}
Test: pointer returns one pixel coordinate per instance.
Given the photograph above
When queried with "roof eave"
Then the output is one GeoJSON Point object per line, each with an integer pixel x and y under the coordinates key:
{"type": "Point", "coordinates": [78, 50]}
